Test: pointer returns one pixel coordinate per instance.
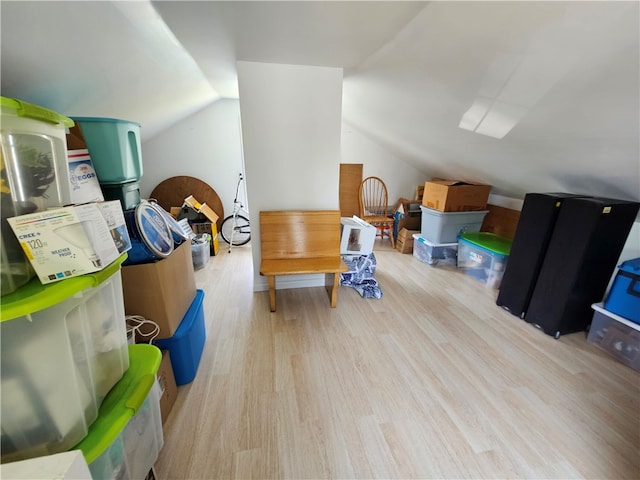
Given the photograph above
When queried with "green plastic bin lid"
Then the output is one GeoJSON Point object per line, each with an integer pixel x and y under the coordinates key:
{"type": "Point", "coordinates": [24, 109]}
{"type": "Point", "coordinates": [123, 401]}
{"type": "Point", "coordinates": [35, 296]}
{"type": "Point", "coordinates": [490, 241]}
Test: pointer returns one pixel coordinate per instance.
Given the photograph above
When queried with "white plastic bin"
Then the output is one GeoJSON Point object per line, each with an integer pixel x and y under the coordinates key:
{"type": "Point", "coordinates": [34, 176]}
{"type": "Point", "coordinates": [63, 347]}
{"type": "Point", "coordinates": [200, 251]}
{"type": "Point", "coordinates": [444, 227]}
{"type": "Point", "coordinates": [125, 440]}
{"type": "Point", "coordinates": [616, 335]}
{"type": "Point", "coordinates": [434, 254]}
{"type": "Point", "coordinates": [136, 449]}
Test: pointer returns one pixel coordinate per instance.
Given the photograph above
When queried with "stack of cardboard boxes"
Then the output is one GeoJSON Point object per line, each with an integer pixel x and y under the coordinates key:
{"type": "Point", "coordinates": [408, 217]}
{"type": "Point", "coordinates": [162, 292]}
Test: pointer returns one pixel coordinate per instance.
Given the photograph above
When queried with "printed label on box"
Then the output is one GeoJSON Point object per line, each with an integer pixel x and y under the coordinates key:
{"type": "Point", "coordinates": [70, 241]}
{"type": "Point", "coordinates": [85, 187]}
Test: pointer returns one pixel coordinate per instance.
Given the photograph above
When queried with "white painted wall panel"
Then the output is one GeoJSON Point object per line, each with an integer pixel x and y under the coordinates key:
{"type": "Point", "coordinates": [291, 117]}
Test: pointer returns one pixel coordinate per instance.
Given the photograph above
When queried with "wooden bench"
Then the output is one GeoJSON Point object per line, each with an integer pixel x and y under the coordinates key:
{"type": "Point", "coordinates": [301, 242]}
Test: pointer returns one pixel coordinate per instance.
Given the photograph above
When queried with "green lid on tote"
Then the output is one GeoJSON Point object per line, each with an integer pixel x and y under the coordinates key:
{"type": "Point", "coordinates": [19, 108]}
{"type": "Point", "coordinates": [35, 296]}
{"type": "Point", "coordinates": [489, 241]}
{"type": "Point", "coordinates": [123, 401]}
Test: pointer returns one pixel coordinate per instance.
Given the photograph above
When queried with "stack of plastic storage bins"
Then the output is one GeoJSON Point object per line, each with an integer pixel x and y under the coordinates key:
{"type": "Point", "coordinates": [63, 348]}
{"type": "Point", "coordinates": [66, 365]}
{"type": "Point", "coordinates": [615, 326]}
{"type": "Point", "coordinates": [116, 153]}
{"type": "Point", "coordinates": [449, 208]}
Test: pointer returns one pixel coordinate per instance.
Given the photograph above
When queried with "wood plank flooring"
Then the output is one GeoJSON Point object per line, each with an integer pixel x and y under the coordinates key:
{"type": "Point", "coordinates": [431, 381]}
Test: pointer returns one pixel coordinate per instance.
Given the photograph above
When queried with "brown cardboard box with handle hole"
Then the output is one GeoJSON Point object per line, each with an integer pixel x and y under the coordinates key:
{"type": "Point", "coordinates": [161, 291]}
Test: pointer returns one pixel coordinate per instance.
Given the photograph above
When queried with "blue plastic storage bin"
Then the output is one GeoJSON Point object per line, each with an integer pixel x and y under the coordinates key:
{"type": "Point", "coordinates": [115, 149]}
{"type": "Point", "coordinates": [624, 297]}
{"type": "Point", "coordinates": [186, 345]}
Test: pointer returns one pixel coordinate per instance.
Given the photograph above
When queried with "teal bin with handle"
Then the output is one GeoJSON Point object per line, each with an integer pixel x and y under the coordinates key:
{"type": "Point", "coordinates": [114, 147]}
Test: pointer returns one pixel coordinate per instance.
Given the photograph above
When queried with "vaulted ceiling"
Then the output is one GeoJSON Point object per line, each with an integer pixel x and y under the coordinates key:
{"type": "Point", "coordinates": [526, 96]}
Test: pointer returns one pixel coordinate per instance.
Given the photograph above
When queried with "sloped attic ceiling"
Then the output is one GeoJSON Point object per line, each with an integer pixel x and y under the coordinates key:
{"type": "Point", "coordinates": [526, 96]}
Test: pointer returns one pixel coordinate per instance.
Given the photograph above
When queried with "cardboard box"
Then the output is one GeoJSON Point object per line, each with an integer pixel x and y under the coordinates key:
{"type": "Point", "coordinates": [407, 215]}
{"type": "Point", "coordinates": [357, 236]}
{"type": "Point", "coordinates": [168, 387]}
{"type": "Point", "coordinates": [161, 291]}
{"type": "Point", "coordinates": [455, 196]}
{"type": "Point", "coordinates": [85, 186]}
{"type": "Point", "coordinates": [404, 242]}
{"type": "Point", "coordinates": [201, 208]}
{"type": "Point", "coordinates": [84, 183]}
{"type": "Point", "coordinates": [71, 241]}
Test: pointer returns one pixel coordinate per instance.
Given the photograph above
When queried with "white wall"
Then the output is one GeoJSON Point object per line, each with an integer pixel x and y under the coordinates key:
{"type": "Point", "coordinates": [400, 177]}
{"type": "Point", "coordinates": [205, 145]}
{"type": "Point", "coordinates": [291, 118]}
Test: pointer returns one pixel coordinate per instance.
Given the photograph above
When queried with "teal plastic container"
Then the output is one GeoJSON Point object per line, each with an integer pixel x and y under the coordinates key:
{"type": "Point", "coordinates": [127, 193]}
{"type": "Point", "coordinates": [115, 149]}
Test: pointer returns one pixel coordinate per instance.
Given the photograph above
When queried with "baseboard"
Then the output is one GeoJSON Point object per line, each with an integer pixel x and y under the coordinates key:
{"type": "Point", "coordinates": [283, 282]}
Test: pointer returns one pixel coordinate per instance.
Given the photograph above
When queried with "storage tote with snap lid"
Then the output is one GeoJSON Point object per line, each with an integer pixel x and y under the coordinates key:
{"type": "Point", "coordinates": [34, 176]}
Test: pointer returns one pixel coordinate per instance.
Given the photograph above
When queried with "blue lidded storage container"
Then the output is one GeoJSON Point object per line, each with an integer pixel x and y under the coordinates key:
{"type": "Point", "coordinates": [115, 148]}
{"type": "Point", "coordinates": [187, 343]}
{"type": "Point", "coordinates": [151, 238]}
{"type": "Point", "coordinates": [624, 297]}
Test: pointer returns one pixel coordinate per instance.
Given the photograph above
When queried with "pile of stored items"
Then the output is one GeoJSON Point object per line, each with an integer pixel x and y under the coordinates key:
{"type": "Point", "coordinates": [81, 251]}
{"type": "Point", "coordinates": [356, 249]}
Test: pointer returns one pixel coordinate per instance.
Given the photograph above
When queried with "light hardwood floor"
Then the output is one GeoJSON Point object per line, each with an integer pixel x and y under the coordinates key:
{"type": "Point", "coordinates": [431, 381]}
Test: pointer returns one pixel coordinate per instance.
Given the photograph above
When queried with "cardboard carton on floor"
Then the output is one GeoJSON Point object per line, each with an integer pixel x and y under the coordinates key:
{"type": "Point", "coordinates": [161, 291]}
{"type": "Point", "coordinates": [404, 243]}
